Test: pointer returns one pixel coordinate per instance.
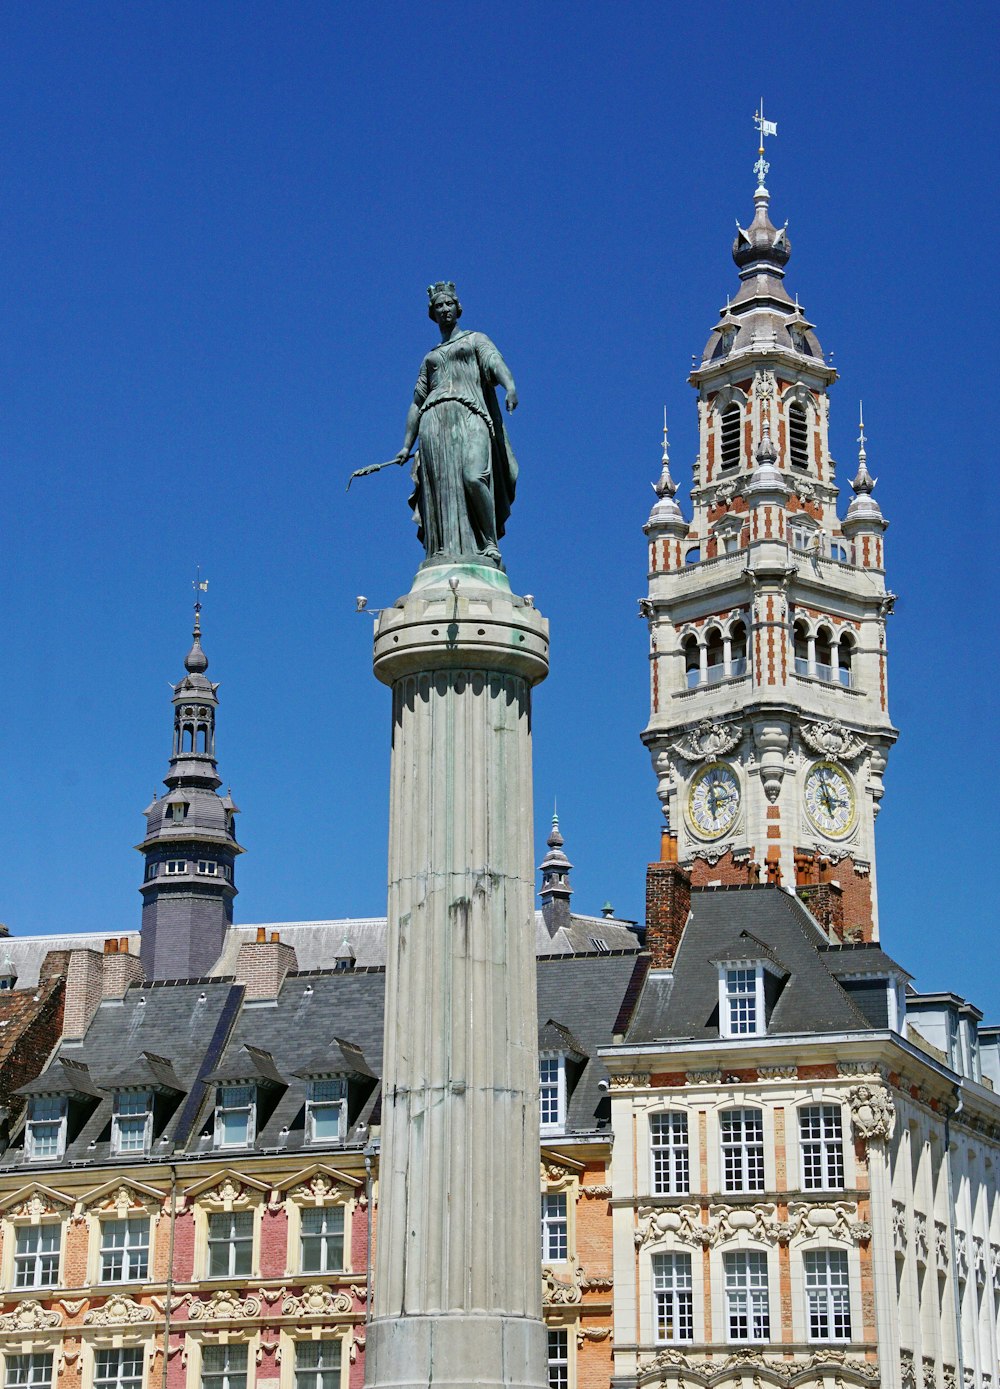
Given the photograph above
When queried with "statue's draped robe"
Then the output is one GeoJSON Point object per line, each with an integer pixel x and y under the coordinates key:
{"type": "Point", "coordinates": [462, 439]}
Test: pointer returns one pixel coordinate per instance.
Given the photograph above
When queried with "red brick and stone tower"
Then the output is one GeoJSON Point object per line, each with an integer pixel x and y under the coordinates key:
{"type": "Point", "coordinates": [769, 727]}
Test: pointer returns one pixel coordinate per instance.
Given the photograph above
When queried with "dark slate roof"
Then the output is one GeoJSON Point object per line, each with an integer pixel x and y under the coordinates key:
{"type": "Point", "coordinates": [684, 1003]}
{"type": "Point", "coordinates": [150, 1070]}
{"type": "Point", "coordinates": [861, 959]}
{"type": "Point", "coordinates": [205, 1029]}
{"type": "Point", "coordinates": [63, 1077]}
{"type": "Point", "coordinates": [554, 1037]}
{"type": "Point", "coordinates": [583, 994]}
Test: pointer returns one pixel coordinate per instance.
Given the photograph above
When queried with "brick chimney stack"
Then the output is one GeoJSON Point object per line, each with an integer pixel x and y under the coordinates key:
{"type": "Point", "coordinates": [262, 964]}
{"type": "Point", "coordinates": [668, 904]}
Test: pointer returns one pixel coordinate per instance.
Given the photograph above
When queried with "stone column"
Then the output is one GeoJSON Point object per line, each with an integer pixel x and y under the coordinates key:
{"type": "Point", "coordinates": [457, 1297]}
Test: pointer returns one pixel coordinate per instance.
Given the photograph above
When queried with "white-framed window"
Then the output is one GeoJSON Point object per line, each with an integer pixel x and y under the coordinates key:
{"type": "Point", "coordinates": [748, 1312]}
{"type": "Point", "coordinates": [668, 1140]}
{"type": "Point", "coordinates": [125, 1250]}
{"type": "Point", "coordinates": [230, 1244]}
{"type": "Point", "coordinates": [741, 999]}
{"type": "Point", "coordinates": [151, 870]}
{"type": "Point", "coordinates": [555, 1227]}
{"type": "Point", "coordinates": [552, 1092]}
{"type": "Point", "coordinates": [317, 1364]}
{"type": "Point", "coordinates": [321, 1239]}
{"type": "Point", "coordinates": [235, 1112]}
{"type": "Point", "coordinates": [326, 1111]}
{"type": "Point", "coordinates": [742, 1149]}
{"type": "Point", "coordinates": [173, 866]}
{"type": "Point", "coordinates": [227, 872]}
{"type": "Point", "coordinates": [804, 538]}
{"type": "Point", "coordinates": [36, 1255]}
{"type": "Point", "coordinates": [29, 1371]}
{"type": "Point", "coordinates": [118, 1369]}
{"type": "Point", "coordinates": [673, 1297]}
{"type": "Point", "coordinates": [178, 810]}
{"type": "Point", "coordinates": [45, 1132]}
{"type": "Point", "coordinates": [557, 1352]}
{"type": "Point", "coordinates": [132, 1122]}
{"type": "Point", "coordinates": [821, 1144]}
{"type": "Point", "coordinates": [828, 1294]}
{"type": "Point", "coordinates": [224, 1367]}
{"type": "Point", "coordinates": [208, 868]}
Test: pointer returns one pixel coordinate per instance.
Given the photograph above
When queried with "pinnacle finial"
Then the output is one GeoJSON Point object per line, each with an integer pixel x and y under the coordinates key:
{"type": "Point", "coordinates": [665, 485]}
{"type": "Point", "coordinates": [864, 482]}
{"type": "Point", "coordinates": [766, 452]}
{"type": "Point", "coordinates": [196, 662]}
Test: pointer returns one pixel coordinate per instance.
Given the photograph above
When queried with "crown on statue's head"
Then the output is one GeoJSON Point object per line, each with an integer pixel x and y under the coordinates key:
{"type": "Point", "coordinates": [442, 287]}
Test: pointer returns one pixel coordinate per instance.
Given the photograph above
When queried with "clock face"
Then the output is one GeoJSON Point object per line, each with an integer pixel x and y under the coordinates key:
{"type": "Point", "coordinates": [714, 800]}
{"type": "Point", "coordinates": [830, 799]}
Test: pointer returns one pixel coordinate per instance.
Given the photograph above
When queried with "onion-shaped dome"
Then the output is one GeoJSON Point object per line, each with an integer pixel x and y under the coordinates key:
{"type": "Point", "coordinates": [762, 245]}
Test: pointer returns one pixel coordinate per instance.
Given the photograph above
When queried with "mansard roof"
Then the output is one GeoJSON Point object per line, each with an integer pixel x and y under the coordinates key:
{"type": "Point", "coordinates": [210, 1032]}
{"type": "Point", "coordinates": [684, 1003]}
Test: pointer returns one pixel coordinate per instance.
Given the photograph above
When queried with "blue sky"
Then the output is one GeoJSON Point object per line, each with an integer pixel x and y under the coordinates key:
{"type": "Point", "coordinates": [218, 225]}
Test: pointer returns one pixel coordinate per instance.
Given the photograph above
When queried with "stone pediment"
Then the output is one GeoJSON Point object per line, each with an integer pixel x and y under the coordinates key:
{"type": "Point", "coordinates": [34, 1201]}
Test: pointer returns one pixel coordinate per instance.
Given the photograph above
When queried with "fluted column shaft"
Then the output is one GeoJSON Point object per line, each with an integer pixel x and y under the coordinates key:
{"type": "Point", "coordinates": [457, 1296]}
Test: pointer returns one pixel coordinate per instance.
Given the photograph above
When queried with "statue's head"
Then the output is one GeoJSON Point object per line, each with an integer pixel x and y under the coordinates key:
{"type": "Point", "coordinates": [444, 289]}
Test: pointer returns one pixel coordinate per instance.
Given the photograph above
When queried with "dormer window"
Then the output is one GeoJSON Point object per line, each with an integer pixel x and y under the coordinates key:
{"type": "Point", "coordinates": [744, 1001]}
{"type": "Point", "coordinates": [178, 810]}
{"type": "Point", "coordinates": [45, 1134]}
{"type": "Point", "coordinates": [208, 868]}
{"type": "Point", "coordinates": [174, 866]}
{"type": "Point", "coordinates": [798, 435]}
{"type": "Point", "coordinates": [732, 426]}
{"type": "Point", "coordinates": [552, 1092]}
{"type": "Point", "coordinates": [235, 1116]}
{"type": "Point", "coordinates": [326, 1111]}
{"type": "Point", "coordinates": [8, 975]}
{"type": "Point", "coordinates": [132, 1122]}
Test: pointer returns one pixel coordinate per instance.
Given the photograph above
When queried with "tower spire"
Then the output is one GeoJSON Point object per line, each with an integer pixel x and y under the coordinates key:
{"type": "Point", "coordinates": [762, 167]}
{"type": "Point", "coordinates": [190, 845]}
{"type": "Point", "coordinates": [555, 891]}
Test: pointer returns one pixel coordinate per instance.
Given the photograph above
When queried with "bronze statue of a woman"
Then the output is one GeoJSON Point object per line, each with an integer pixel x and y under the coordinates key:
{"type": "Point", "coordinates": [465, 472]}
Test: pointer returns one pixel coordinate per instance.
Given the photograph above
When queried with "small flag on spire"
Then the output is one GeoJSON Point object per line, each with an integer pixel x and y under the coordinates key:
{"type": "Point", "coordinates": [765, 127]}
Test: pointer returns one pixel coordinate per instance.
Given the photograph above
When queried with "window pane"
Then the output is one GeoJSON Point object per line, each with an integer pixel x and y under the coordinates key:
{"type": "Point", "coordinates": [224, 1367]}
{"type": "Point", "coordinates": [322, 1239]}
{"type": "Point", "coordinates": [317, 1365]}
{"type": "Point", "coordinates": [555, 1228]}
{"type": "Point", "coordinates": [747, 1303]}
{"type": "Point", "coordinates": [558, 1358]}
{"type": "Point", "coordinates": [28, 1372]}
{"type": "Point", "coordinates": [669, 1144]}
{"type": "Point", "coordinates": [673, 1297]}
{"type": "Point", "coordinates": [118, 1369]}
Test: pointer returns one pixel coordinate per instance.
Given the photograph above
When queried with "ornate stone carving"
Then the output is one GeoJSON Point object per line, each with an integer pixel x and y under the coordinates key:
{"type": "Point", "coordinates": [592, 1333]}
{"type": "Point", "coordinates": [558, 1292]}
{"type": "Point", "coordinates": [318, 1191]}
{"type": "Point", "coordinates": [962, 1253]}
{"type": "Point", "coordinates": [629, 1080]}
{"type": "Point", "coordinates": [683, 1222]}
{"type": "Point", "coordinates": [357, 1345]}
{"type": "Point", "coordinates": [942, 1245]}
{"type": "Point", "coordinates": [979, 1260]}
{"type": "Point", "coordinates": [708, 740]}
{"type": "Point", "coordinates": [899, 1230]}
{"type": "Point", "coordinates": [929, 1372]}
{"type": "Point", "coordinates": [725, 492]}
{"type": "Point", "coordinates": [316, 1301]}
{"type": "Point", "coordinates": [706, 1077]}
{"type": "Point", "coordinates": [35, 1206]}
{"type": "Point", "coordinates": [594, 1282]}
{"type": "Point", "coordinates": [949, 1377]}
{"type": "Point", "coordinates": [596, 1192]}
{"type": "Point", "coordinates": [556, 1172]}
{"type": "Point", "coordinates": [777, 1072]}
{"type": "Point", "coordinates": [758, 1221]}
{"type": "Point", "coordinates": [873, 1114]}
{"type": "Point", "coordinates": [122, 1200]}
{"type": "Point", "coordinates": [836, 1218]}
{"type": "Point", "coordinates": [30, 1315]}
{"type": "Point", "coordinates": [772, 744]}
{"type": "Point", "coordinates": [921, 1246]}
{"type": "Point", "coordinates": [860, 1068]}
{"type": "Point", "coordinates": [832, 739]}
{"type": "Point", "coordinates": [360, 1291]}
{"type": "Point", "coordinates": [118, 1310]}
{"type": "Point", "coordinates": [907, 1369]}
{"type": "Point", "coordinates": [764, 385]}
{"type": "Point", "coordinates": [71, 1306]}
{"type": "Point", "coordinates": [224, 1306]}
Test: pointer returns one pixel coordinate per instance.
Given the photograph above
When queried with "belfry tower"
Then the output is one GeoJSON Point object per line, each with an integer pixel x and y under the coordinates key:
{"type": "Point", "coordinates": [190, 844]}
{"type": "Point", "coordinates": [769, 725]}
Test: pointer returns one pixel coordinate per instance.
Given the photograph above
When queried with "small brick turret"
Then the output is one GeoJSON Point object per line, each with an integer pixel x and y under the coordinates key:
{"type": "Point", "coordinates": [668, 904]}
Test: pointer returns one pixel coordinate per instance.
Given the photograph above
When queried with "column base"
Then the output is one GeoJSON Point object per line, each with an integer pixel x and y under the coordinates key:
{"type": "Point", "coordinates": [460, 1351]}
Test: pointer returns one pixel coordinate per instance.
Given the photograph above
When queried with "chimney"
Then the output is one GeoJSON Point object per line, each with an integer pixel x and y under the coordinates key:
{"type": "Point", "coordinates": [824, 897]}
{"type": "Point", "coordinates": [668, 904]}
{"type": "Point", "coordinates": [84, 990]}
{"type": "Point", "coordinates": [262, 964]}
{"type": "Point", "coordinates": [120, 969]}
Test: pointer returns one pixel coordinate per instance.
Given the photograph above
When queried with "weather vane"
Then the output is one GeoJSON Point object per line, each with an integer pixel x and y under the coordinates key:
{"type": "Point", "coordinates": [200, 586]}
{"type": "Point", "coordinates": [765, 128]}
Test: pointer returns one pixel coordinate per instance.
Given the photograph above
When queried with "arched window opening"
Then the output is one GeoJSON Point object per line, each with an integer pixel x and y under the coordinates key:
{"type": "Point", "coordinates": [845, 653]}
{"type": "Point", "coordinates": [824, 653]}
{"type": "Point", "coordinates": [692, 664]}
{"type": "Point", "coordinates": [798, 435]}
{"type": "Point", "coordinates": [738, 649]}
{"type": "Point", "coordinates": [188, 738]}
{"type": "Point", "coordinates": [838, 551]}
{"type": "Point", "coordinates": [801, 639]}
{"type": "Point", "coordinates": [202, 737]}
{"type": "Point", "coordinates": [732, 425]}
{"type": "Point", "coordinates": [693, 555]}
{"type": "Point", "coordinates": [714, 655]}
